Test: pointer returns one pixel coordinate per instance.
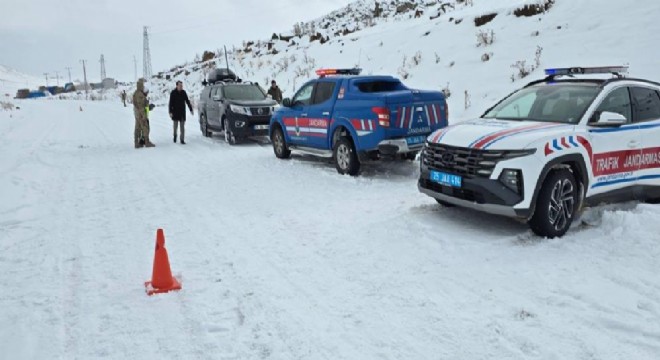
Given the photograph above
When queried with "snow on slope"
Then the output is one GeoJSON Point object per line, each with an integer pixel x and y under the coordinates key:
{"type": "Point", "coordinates": [12, 80]}
{"type": "Point", "coordinates": [287, 259]}
{"type": "Point", "coordinates": [571, 33]}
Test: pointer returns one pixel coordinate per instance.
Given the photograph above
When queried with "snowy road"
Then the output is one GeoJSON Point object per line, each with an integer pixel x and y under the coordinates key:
{"type": "Point", "coordinates": [288, 259]}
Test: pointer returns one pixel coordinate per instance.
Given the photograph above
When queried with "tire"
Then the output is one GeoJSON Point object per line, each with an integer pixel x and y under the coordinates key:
{"type": "Point", "coordinates": [229, 137]}
{"type": "Point", "coordinates": [204, 126]}
{"type": "Point", "coordinates": [556, 205]}
{"type": "Point", "coordinates": [445, 204]}
{"type": "Point", "coordinates": [280, 148]}
{"type": "Point", "coordinates": [345, 157]}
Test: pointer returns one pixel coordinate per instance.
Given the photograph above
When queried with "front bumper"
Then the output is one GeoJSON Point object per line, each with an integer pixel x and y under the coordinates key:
{"type": "Point", "coordinates": [482, 194]}
{"type": "Point", "coordinates": [251, 125]}
{"type": "Point", "coordinates": [397, 146]}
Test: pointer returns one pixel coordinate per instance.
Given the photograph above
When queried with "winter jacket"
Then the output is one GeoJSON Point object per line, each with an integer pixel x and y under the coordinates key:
{"type": "Point", "coordinates": [178, 101]}
{"type": "Point", "coordinates": [275, 93]}
{"type": "Point", "coordinates": [140, 101]}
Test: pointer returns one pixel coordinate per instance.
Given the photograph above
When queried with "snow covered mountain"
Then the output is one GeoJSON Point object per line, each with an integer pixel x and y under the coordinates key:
{"type": "Point", "coordinates": [477, 50]}
{"type": "Point", "coordinates": [11, 80]}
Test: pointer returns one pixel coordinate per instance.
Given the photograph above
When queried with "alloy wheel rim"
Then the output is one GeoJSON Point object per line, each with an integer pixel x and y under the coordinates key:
{"type": "Point", "coordinates": [343, 156]}
{"type": "Point", "coordinates": [562, 203]}
{"type": "Point", "coordinates": [279, 146]}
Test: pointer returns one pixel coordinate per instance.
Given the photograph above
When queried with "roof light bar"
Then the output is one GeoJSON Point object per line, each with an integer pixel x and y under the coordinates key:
{"type": "Point", "coordinates": [587, 70]}
{"type": "Point", "coordinates": [326, 72]}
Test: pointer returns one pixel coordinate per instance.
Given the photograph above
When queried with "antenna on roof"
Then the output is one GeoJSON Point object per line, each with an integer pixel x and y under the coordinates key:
{"type": "Point", "coordinates": [226, 58]}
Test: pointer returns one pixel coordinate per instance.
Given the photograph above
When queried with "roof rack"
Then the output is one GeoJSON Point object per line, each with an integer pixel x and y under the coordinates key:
{"type": "Point", "coordinates": [325, 72]}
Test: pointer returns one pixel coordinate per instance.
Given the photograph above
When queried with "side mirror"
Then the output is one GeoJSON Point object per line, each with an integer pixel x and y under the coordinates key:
{"type": "Point", "coordinates": [286, 102]}
{"type": "Point", "coordinates": [609, 119]}
{"type": "Point", "coordinates": [216, 98]}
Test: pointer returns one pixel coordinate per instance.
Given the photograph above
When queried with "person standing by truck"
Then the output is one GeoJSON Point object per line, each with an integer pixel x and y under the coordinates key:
{"type": "Point", "coordinates": [178, 101]}
{"type": "Point", "coordinates": [275, 92]}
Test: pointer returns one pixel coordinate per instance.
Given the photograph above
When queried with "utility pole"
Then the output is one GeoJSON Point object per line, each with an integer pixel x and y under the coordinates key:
{"type": "Point", "coordinates": [102, 61]}
{"type": "Point", "coordinates": [57, 77]}
{"type": "Point", "coordinates": [46, 74]}
{"type": "Point", "coordinates": [146, 55]}
{"type": "Point", "coordinates": [135, 68]}
{"type": "Point", "coordinates": [69, 70]}
{"type": "Point", "coordinates": [85, 76]}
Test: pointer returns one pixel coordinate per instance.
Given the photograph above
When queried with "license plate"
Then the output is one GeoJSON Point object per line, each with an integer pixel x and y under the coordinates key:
{"type": "Point", "coordinates": [414, 140]}
{"type": "Point", "coordinates": [261, 127]}
{"type": "Point", "coordinates": [443, 178]}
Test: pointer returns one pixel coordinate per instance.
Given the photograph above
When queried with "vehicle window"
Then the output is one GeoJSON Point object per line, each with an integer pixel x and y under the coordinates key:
{"type": "Point", "coordinates": [324, 91]}
{"type": "Point", "coordinates": [647, 104]}
{"type": "Point", "coordinates": [244, 92]}
{"type": "Point", "coordinates": [304, 95]}
{"type": "Point", "coordinates": [379, 86]}
{"type": "Point", "coordinates": [564, 103]}
{"type": "Point", "coordinates": [618, 101]}
{"type": "Point", "coordinates": [215, 92]}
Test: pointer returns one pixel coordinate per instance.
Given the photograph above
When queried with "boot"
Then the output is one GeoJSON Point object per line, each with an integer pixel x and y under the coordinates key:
{"type": "Point", "coordinates": [137, 144]}
{"type": "Point", "coordinates": [183, 142]}
{"type": "Point", "coordinates": [148, 143]}
{"type": "Point", "coordinates": [175, 138]}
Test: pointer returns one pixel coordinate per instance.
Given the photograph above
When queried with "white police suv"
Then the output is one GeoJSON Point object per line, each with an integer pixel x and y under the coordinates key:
{"type": "Point", "coordinates": [551, 148]}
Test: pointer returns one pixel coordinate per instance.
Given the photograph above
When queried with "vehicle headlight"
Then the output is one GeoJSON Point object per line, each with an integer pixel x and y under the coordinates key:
{"type": "Point", "coordinates": [511, 154]}
{"type": "Point", "coordinates": [239, 109]}
{"type": "Point", "coordinates": [512, 179]}
{"type": "Point", "coordinates": [239, 123]}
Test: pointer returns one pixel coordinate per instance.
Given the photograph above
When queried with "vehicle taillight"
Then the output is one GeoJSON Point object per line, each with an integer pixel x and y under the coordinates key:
{"type": "Point", "coordinates": [447, 112]}
{"type": "Point", "coordinates": [383, 116]}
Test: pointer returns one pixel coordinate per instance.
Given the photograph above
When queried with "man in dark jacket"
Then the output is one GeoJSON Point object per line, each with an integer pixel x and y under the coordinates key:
{"type": "Point", "coordinates": [275, 92]}
{"type": "Point", "coordinates": [178, 101]}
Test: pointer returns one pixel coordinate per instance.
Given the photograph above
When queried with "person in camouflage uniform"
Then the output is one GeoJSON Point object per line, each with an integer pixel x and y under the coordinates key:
{"type": "Point", "coordinates": [140, 105]}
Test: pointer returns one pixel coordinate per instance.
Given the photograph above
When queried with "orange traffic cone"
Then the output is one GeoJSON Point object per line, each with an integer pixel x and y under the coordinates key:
{"type": "Point", "coordinates": [162, 280]}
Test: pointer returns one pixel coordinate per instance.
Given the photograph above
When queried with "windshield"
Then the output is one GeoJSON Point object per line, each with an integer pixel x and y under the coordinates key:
{"type": "Point", "coordinates": [564, 103]}
{"type": "Point", "coordinates": [244, 92]}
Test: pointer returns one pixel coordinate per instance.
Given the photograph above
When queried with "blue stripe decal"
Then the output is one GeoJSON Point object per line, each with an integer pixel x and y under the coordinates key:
{"type": "Point", "coordinates": [571, 140]}
{"type": "Point", "coordinates": [556, 145]}
{"type": "Point", "coordinates": [518, 133]}
{"type": "Point", "coordinates": [626, 128]}
{"type": "Point", "coordinates": [613, 182]}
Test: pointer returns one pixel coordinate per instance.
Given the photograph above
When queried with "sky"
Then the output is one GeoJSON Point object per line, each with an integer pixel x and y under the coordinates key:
{"type": "Point", "coordinates": [38, 36]}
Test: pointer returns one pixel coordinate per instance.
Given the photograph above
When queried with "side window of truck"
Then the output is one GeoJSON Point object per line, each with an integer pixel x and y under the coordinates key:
{"type": "Point", "coordinates": [647, 104]}
{"type": "Point", "coordinates": [618, 101]}
{"type": "Point", "coordinates": [304, 95]}
{"type": "Point", "coordinates": [324, 92]}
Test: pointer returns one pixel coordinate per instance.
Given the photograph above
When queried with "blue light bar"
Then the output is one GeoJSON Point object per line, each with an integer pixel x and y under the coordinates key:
{"type": "Point", "coordinates": [587, 70]}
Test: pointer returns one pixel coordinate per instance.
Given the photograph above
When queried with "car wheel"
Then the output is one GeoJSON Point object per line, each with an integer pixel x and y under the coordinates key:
{"type": "Point", "coordinates": [444, 203]}
{"type": "Point", "coordinates": [279, 144]}
{"type": "Point", "coordinates": [556, 206]}
{"type": "Point", "coordinates": [229, 137]}
{"type": "Point", "coordinates": [412, 156]}
{"type": "Point", "coordinates": [205, 127]}
{"type": "Point", "coordinates": [345, 157]}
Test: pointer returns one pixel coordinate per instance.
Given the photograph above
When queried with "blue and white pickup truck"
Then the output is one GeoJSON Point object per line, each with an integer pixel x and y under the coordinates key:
{"type": "Point", "coordinates": [354, 119]}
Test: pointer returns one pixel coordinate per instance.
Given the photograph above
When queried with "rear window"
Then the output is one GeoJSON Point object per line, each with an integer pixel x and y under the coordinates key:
{"type": "Point", "coordinates": [379, 86]}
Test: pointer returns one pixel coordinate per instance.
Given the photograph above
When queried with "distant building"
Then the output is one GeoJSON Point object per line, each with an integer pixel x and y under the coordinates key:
{"type": "Point", "coordinates": [108, 83]}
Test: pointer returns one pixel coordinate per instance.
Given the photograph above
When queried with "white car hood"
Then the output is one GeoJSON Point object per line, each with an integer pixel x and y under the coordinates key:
{"type": "Point", "coordinates": [497, 134]}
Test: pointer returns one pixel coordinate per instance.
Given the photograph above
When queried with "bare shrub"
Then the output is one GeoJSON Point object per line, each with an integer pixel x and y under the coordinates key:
{"type": "Point", "coordinates": [485, 37]}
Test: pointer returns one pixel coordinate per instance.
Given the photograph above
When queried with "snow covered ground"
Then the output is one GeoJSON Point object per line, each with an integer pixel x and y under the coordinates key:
{"type": "Point", "coordinates": [288, 259]}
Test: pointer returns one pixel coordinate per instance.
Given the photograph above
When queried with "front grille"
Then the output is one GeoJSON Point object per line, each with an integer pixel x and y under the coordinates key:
{"type": "Point", "coordinates": [462, 161]}
{"type": "Point", "coordinates": [459, 193]}
{"type": "Point", "coordinates": [264, 111]}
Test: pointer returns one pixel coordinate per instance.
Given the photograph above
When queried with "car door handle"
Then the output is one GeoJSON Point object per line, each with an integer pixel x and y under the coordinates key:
{"type": "Point", "coordinates": [303, 115]}
{"type": "Point", "coordinates": [326, 113]}
{"type": "Point", "coordinates": [633, 144]}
